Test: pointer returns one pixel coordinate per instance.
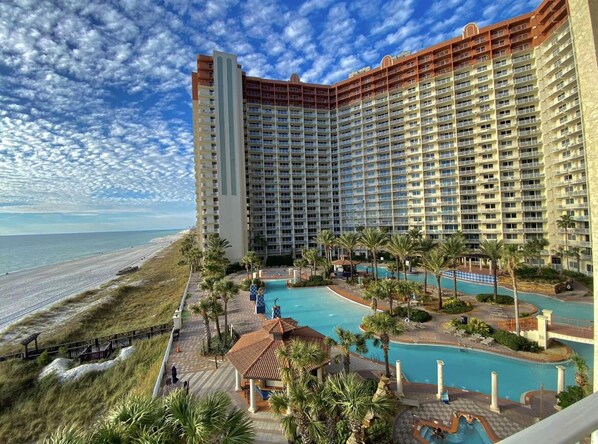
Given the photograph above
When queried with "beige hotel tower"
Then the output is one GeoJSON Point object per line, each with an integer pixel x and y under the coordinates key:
{"type": "Point", "coordinates": [493, 133]}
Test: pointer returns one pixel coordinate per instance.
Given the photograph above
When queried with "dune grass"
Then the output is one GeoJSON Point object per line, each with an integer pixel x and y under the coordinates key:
{"type": "Point", "coordinates": [30, 410]}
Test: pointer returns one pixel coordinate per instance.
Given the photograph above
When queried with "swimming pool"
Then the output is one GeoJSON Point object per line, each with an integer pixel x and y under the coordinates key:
{"type": "Point", "coordinates": [323, 310]}
{"type": "Point", "coordinates": [467, 433]}
{"type": "Point", "coordinates": [576, 310]}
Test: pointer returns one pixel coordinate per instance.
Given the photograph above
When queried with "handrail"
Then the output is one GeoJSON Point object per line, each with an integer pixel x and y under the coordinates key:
{"type": "Point", "coordinates": [568, 426]}
{"type": "Point", "coordinates": [160, 376]}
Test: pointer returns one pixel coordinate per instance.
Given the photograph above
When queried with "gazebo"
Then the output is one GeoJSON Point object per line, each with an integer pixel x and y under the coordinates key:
{"type": "Point", "coordinates": [344, 266]}
{"type": "Point", "coordinates": [254, 355]}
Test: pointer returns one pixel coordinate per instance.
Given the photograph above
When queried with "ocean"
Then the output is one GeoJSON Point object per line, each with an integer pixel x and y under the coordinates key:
{"type": "Point", "coordinates": [29, 251]}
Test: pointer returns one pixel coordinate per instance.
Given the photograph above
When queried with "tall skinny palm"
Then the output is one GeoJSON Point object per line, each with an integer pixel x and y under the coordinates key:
{"type": "Point", "coordinates": [436, 263]}
{"type": "Point", "coordinates": [326, 239]}
{"type": "Point", "coordinates": [423, 247]}
{"type": "Point", "coordinates": [373, 240]}
{"type": "Point", "coordinates": [301, 264]}
{"type": "Point", "coordinates": [203, 308]}
{"type": "Point", "coordinates": [493, 250]}
{"type": "Point", "coordinates": [346, 341]}
{"type": "Point", "coordinates": [406, 289]}
{"type": "Point", "coordinates": [565, 222]}
{"type": "Point", "coordinates": [226, 290]}
{"type": "Point", "coordinates": [512, 260]}
{"type": "Point", "coordinates": [348, 242]}
{"type": "Point", "coordinates": [311, 256]}
{"type": "Point", "coordinates": [401, 247]}
{"type": "Point", "coordinates": [383, 325]}
{"type": "Point", "coordinates": [454, 249]}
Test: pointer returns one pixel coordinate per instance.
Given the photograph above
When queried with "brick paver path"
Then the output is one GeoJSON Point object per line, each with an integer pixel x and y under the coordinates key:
{"type": "Point", "coordinates": [201, 372]}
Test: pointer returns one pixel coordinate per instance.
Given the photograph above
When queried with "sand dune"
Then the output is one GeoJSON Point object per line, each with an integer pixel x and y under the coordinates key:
{"type": "Point", "coordinates": [24, 292]}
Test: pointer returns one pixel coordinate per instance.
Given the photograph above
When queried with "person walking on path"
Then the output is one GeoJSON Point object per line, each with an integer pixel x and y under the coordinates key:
{"type": "Point", "coordinates": [173, 373]}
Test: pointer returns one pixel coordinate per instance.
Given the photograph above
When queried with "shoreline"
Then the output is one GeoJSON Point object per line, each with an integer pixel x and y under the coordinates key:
{"type": "Point", "coordinates": [25, 292]}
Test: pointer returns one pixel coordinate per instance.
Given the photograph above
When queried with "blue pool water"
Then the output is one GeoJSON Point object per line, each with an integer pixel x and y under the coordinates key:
{"type": "Point", "coordinates": [576, 310]}
{"type": "Point", "coordinates": [473, 433]}
{"type": "Point", "coordinates": [323, 310]}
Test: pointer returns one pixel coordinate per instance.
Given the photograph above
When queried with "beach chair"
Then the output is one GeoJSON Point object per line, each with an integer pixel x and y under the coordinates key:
{"type": "Point", "coordinates": [488, 341]}
{"type": "Point", "coordinates": [445, 398]}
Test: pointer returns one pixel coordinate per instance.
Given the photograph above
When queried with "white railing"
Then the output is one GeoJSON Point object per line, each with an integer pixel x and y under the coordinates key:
{"type": "Point", "coordinates": [158, 383]}
{"type": "Point", "coordinates": [568, 426]}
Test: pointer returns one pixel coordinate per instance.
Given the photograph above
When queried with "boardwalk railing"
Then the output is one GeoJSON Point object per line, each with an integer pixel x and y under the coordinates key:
{"type": "Point", "coordinates": [74, 349]}
{"type": "Point", "coordinates": [158, 383]}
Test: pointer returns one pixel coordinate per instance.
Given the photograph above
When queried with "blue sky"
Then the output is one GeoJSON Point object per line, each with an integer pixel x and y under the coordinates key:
{"type": "Point", "coordinates": [95, 108]}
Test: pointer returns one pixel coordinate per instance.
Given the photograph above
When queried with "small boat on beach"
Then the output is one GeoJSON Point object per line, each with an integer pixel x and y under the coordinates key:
{"type": "Point", "coordinates": [127, 270]}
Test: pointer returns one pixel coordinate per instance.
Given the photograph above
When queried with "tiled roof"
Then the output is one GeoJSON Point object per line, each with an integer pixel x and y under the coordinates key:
{"type": "Point", "coordinates": [254, 354]}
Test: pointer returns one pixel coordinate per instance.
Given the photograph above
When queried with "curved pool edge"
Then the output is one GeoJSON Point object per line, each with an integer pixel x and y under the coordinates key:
{"type": "Point", "coordinates": [443, 344]}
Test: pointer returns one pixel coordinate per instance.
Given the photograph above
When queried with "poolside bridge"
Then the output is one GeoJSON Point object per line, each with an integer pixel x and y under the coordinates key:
{"type": "Point", "coordinates": [546, 326]}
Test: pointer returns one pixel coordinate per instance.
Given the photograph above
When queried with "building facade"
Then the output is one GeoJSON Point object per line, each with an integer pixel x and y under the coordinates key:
{"type": "Point", "coordinates": [483, 134]}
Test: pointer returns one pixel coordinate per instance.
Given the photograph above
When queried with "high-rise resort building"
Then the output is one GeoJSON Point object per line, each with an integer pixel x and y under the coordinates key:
{"type": "Point", "coordinates": [484, 133]}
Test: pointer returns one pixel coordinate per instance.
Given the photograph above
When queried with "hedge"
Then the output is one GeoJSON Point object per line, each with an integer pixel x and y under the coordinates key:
{"type": "Point", "coordinates": [514, 342]}
{"type": "Point", "coordinates": [416, 314]}
{"type": "Point", "coordinates": [313, 281]}
{"type": "Point", "coordinates": [501, 299]}
{"type": "Point", "coordinates": [456, 306]}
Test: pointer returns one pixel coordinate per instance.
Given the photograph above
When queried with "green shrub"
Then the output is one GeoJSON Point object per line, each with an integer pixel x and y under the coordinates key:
{"type": "Point", "coordinates": [43, 359]}
{"type": "Point", "coordinates": [501, 299]}
{"type": "Point", "coordinates": [456, 306]}
{"type": "Point", "coordinates": [244, 285]}
{"type": "Point", "coordinates": [416, 314]}
{"type": "Point", "coordinates": [571, 395]}
{"type": "Point", "coordinates": [514, 342]}
{"type": "Point", "coordinates": [234, 268]}
{"type": "Point", "coordinates": [547, 275]}
{"type": "Point", "coordinates": [313, 281]}
{"type": "Point", "coordinates": [478, 326]}
{"type": "Point", "coordinates": [485, 297]}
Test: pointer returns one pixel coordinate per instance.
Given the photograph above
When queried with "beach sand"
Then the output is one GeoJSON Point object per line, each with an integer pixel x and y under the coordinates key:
{"type": "Point", "coordinates": [25, 292]}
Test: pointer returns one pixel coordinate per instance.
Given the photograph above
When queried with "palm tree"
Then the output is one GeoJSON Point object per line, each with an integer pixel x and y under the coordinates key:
{"type": "Point", "coordinates": [297, 359]}
{"type": "Point", "coordinates": [348, 242]}
{"type": "Point", "coordinates": [565, 222]}
{"type": "Point", "coordinates": [581, 375]}
{"type": "Point", "coordinates": [373, 240]}
{"type": "Point", "coordinates": [249, 261]}
{"type": "Point", "coordinates": [311, 256]}
{"type": "Point", "coordinates": [326, 239]}
{"type": "Point", "coordinates": [574, 253]}
{"type": "Point", "coordinates": [423, 247]}
{"type": "Point", "coordinates": [194, 257]}
{"type": "Point", "coordinates": [347, 340]}
{"type": "Point", "coordinates": [535, 246]}
{"type": "Point", "coordinates": [373, 292]}
{"type": "Point", "coordinates": [216, 311]}
{"type": "Point", "coordinates": [406, 289]}
{"type": "Point", "coordinates": [180, 417]}
{"type": "Point", "coordinates": [493, 250]}
{"type": "Point", "coordinates": [226, 289]}
{"type": "Point", "coordinates": [301, 264]}
{"type": "Point", "coordinates": [392, 269]}
{"type": "Point", "coordinates": [217, 243]}
{"type": "Point", "coordinates": [415, 234]}
{"type": "Point", "coordinates": [388, 292]}
{"type": "Point", "coordinates": [204, 308]}
{"type": "Point", "coordinates": [454, 249]}
{"type": "Point", "coordinates": [348, 393]}
{"type": "Point", "coordinates": [512, 260]}
{"type": "Point", "coordinates": [436, 263]}
{"type": "Point", "coordinates": [383, 325]}
{"type": "Point", "coordinates": [401, 247]}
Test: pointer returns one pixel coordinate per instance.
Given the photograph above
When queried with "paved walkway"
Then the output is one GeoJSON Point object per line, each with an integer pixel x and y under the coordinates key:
{"type": "Point", "coordinates": [201, 373]}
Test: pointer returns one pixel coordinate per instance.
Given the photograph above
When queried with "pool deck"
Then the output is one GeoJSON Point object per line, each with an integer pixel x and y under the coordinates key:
{"type": "Point", "coordinates": [205, 378]}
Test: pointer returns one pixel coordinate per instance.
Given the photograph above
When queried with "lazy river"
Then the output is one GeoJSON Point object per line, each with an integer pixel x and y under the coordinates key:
{"type": "Point", "coordinates": [323, 310]}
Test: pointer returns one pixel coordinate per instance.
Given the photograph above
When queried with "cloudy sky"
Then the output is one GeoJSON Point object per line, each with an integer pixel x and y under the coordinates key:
{"type": "Point", "coordinates": [95, 108]}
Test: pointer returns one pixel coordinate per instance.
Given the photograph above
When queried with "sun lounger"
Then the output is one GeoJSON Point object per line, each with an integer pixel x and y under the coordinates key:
{"type": "Point", "coordinates": [410, 402]}
{"type": "Point", "coordinates": [449, 330]}
{"type": "Point", "coordinates": [460, 333]}
{"type": "Point", "coordinates": [488, 341]}
{"type": "Point", "coordinates": [475, 337]}
{"type": "Point", "coordinates": [419, 325]}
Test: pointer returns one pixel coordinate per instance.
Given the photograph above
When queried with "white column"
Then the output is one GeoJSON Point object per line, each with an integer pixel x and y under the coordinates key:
{"type": "Point", "coordinates": [399, 380]}
{"type": "Point", "coordinates": [494, 402]}
{"type": "Point", "coordinates": [259, 273]}
{"type": "Point", "coordinates": [252, 407]}
{"type": "Point", "coordinates": [296, 276]}
{"type": "Point", "coordinates": [440, 380]}
{"type": "Point", "coordinates": [560, 380]}
{"type": "Point", "coordinates": [542, 331]}
{"type": "Point", "coordinates": [237, 381]}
